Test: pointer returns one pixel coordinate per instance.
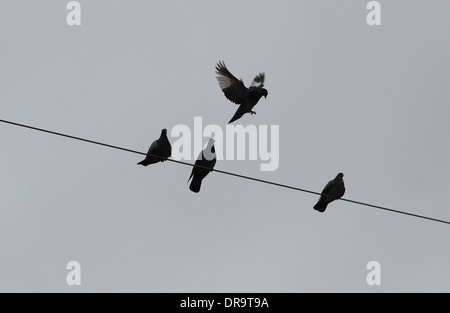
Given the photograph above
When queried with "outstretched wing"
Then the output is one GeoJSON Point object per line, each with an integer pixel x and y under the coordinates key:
{"type": "Point", "coordinates": [234, 89]}
{"type": "Point", "coordinates": [258, 81]}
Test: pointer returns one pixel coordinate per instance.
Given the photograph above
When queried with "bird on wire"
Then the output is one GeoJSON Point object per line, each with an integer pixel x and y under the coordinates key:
{"type": "Point", "coordinates": [203, 166]}
{"type": "Point", "coordinates": [334, 190]}
{"type": "Point", "coordinates": [160, 150]}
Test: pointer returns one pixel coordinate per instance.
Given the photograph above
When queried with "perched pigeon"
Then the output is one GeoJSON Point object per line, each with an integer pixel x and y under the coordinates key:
{"type": "Point", "coordinates": [236, 92]}
{"type": "Point", "coordinates": [206, 159]}
{"type": "Point", "coordinates": [333, 190]}
{"type": "Point", "coordinates": [160, 147]}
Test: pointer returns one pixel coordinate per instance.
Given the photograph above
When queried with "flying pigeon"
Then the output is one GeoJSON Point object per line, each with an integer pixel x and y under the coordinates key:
{"type": "Point", "coordinates": [161, 148]}
{"type": "Point", "coordinates": [236, 92]}
{"type": "Point", "coordinates": [334, 190]}
{"type": "Point", "coordinates": [207, 160]}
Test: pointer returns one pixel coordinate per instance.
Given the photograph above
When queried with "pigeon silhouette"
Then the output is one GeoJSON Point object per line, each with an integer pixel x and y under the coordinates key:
{"type": "Point", "coordinates": [204, 164]}
{"type": "Point", "coordinates": [236, 92]}
{"type": "Point", "coordinates": [334, 190]}
{"type": "Point", "coordinates": [160, 150]}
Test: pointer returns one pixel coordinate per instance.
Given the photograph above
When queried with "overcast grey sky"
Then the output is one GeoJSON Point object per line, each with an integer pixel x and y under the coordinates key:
{"type": "Point", "coordinates": [371, 102]}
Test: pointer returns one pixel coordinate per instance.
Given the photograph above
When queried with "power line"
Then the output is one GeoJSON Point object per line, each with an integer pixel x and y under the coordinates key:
{"type": "Point", "coordinates": [224, 172]}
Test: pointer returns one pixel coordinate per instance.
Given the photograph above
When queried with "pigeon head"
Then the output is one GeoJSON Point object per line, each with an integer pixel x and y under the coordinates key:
{"type": "Point", "coordinates": [210, 152]}
{"type": "Point", "coordinates": [264, 92]}
{"type": "Point", "coordinates": [340, 175]}
{"type": "Point", "coordinates": [211, 143]}
{"type": "Point", "coordinates": [163, 133]}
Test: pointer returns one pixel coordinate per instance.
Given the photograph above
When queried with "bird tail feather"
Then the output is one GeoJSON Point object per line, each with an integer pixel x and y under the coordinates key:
{"type": "Point", "coordinates": [195, 185]}
{"type": "Point", "coordinates": [239, 113]}
{"type": "Point", "coordinates": [143, 162]}
{"type": "Point", "coordinates": [320, 206]}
